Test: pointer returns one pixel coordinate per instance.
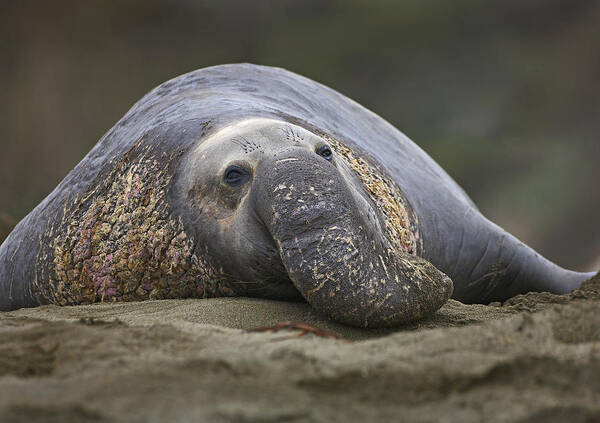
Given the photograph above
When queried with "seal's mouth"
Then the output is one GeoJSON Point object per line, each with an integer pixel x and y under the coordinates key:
{"type": "Point", "coordinates": [269, 278]}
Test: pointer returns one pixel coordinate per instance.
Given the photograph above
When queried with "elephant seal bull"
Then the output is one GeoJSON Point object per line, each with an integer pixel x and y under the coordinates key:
{"type": "Point", "coordinates": [246, 180]}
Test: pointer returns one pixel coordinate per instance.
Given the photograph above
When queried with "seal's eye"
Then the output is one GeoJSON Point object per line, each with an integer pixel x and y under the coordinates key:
{"type": "Point", "coordinates": [236, 176]}
{"type": "Point", "coordinates": [325, 152]}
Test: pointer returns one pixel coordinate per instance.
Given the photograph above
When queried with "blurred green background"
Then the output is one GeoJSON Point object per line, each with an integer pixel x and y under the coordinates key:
{"type": "Point", "coordinates": [505, 95]}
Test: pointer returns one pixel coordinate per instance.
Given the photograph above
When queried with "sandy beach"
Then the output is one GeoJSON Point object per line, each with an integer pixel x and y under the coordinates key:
{"type": "Point", "coordinates": [535, 358]}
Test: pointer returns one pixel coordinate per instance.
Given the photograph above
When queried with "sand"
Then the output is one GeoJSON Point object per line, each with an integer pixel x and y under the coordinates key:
{"type": "Point", "coordinates": [535, 358]}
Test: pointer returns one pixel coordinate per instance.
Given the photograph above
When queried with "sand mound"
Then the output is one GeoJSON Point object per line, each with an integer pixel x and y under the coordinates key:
{"type": "Point", "coordinates": [536, 359]}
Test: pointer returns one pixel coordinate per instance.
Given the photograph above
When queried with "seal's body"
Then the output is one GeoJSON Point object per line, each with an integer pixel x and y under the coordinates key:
{"type": "Point", "coordinates": [251, 180]}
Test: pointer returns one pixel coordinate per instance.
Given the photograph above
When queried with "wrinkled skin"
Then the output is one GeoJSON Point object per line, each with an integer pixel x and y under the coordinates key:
{"type": "Point", "coordinates": [301, 223]}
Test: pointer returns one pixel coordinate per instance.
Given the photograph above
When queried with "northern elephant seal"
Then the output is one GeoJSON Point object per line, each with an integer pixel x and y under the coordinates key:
{"type": "Point", "coordinates": [251, 180]}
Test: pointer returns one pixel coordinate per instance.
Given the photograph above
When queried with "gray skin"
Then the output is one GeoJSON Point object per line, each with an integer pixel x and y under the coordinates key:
{"type": "Point", "coordinates": [153, 211]}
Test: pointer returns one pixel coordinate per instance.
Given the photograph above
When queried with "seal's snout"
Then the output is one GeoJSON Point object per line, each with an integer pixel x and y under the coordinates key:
{"type": "Point", "coordinates": [304, 187]}
{"type": "Point", "coordinates": [340, 266]}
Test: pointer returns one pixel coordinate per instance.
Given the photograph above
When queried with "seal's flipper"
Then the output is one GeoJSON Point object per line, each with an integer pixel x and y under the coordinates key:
{"type": "Point", "coordinates": [492, 265]}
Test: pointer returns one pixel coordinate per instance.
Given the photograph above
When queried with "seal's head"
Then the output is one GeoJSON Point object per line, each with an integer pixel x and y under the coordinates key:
{"type": "Point", "coordinates": [286, 217]}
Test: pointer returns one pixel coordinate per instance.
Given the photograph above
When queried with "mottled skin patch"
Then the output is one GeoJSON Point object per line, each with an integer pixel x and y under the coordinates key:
{"type": "Point", "coordinates": [120, 242]}
{"type": "Point", "coordinates": [401, 223]}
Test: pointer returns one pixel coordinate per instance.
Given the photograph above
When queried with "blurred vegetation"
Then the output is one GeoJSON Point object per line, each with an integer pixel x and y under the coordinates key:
{"type": "Point", "coordinates": [504, 95]}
